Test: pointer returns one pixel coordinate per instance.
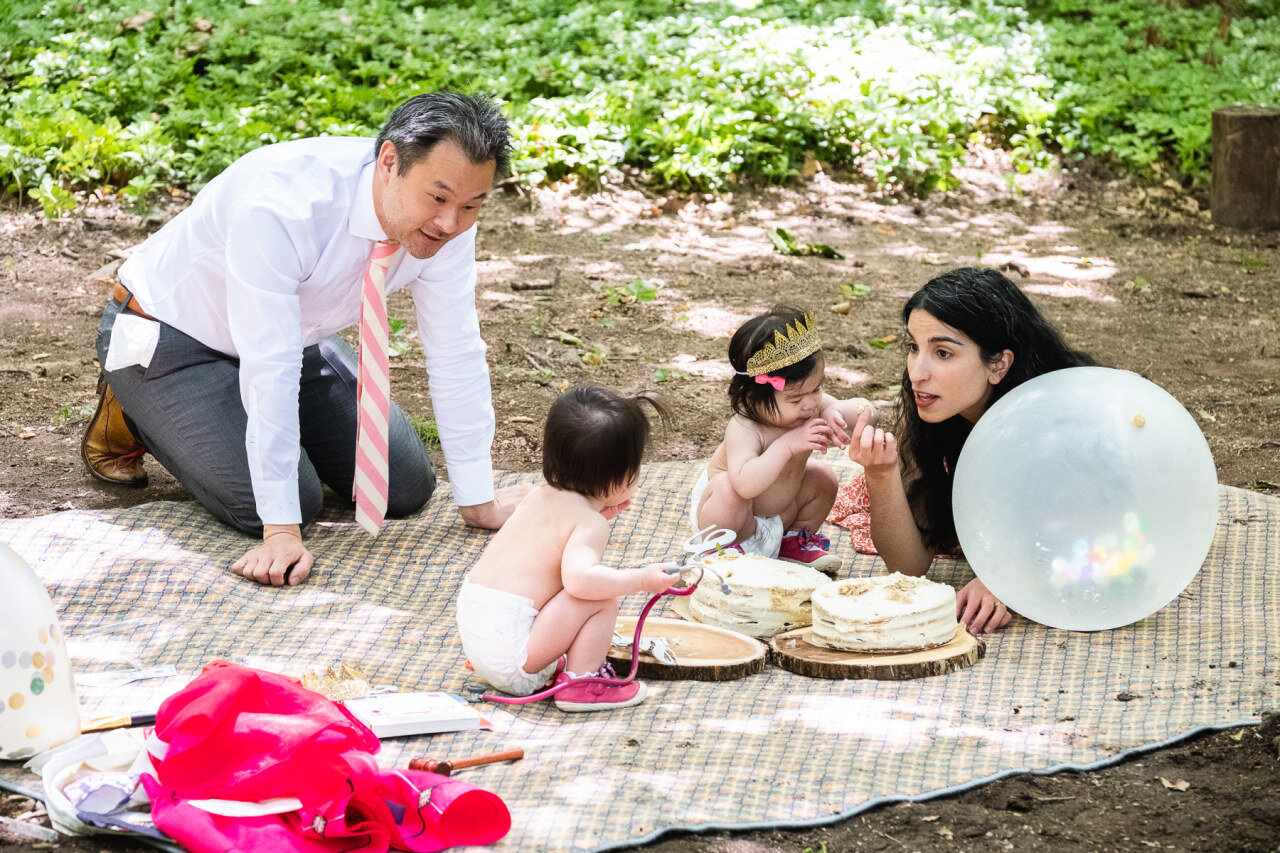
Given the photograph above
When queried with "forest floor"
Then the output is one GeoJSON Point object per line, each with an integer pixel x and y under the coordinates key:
{"type": "Point", "coordinates": [639, 291]}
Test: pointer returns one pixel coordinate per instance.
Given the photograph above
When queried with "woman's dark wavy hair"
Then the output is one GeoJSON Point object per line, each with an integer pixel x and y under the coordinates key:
{"type": "Point", "coordinates": [751, 399]}
{"type": "Point", "coordinates": [594, 439]}
{"type": "Point", "coordinates": [997, 316]}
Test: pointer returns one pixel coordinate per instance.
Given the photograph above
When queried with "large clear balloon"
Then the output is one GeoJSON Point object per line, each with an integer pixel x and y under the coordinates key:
{"type": "Point", "coordinates": [38, 707]}
{"type": "Point", "coordinates": [1086, 498]}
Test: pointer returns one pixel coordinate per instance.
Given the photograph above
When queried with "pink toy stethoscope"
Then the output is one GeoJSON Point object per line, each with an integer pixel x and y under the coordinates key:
{"type": "Point", "coordinates": [696, 546]}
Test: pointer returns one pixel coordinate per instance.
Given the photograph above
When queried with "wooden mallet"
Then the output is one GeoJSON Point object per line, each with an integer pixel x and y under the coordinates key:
{"type": "Point", "coordinates": [446, 767]}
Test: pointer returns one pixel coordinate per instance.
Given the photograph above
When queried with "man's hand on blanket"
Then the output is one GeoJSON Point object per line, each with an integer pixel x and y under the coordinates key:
{"type": "Point", "coordinates": [280, 559]}
{"type": "Point", "coordinates": [494, 514]}
{"type": "Point", "coordinates": [979, 609]}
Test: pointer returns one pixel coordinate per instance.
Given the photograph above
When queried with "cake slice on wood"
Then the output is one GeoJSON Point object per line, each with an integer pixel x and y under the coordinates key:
{"type": "Point", "coordinates": [887, 613]}
{"type": "Point", "coordinates": [766, 596]}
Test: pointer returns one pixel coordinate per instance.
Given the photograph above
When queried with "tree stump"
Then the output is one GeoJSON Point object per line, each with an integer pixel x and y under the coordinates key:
{"type": "Point", "coordinates": [793, 652]}
{"type": "Point", "coordinates": [1245, 192]}
{"type": "Point", "coordinates": [704, 652]}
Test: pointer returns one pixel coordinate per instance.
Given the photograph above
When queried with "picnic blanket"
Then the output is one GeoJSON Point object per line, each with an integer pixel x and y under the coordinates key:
{"type": "Point", "coordinates": [150, 586]}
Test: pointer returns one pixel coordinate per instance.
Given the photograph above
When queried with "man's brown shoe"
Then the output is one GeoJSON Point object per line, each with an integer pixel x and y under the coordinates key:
{"type": "Point", "coordinates": [109, 449]}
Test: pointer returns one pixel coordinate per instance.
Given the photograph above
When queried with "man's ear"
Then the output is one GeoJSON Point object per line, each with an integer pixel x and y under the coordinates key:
{"type": "Point", "coordinates": [999, 366]}
{"type": "Point", "coordinates": [387, 159]}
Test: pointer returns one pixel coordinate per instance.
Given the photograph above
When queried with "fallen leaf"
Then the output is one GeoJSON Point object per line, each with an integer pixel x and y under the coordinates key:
{"type": "Point", "coordinates": [1126, 696]}
{"type": "Point", "coordinates": [842, 307]}
{"type": "Point", "coordinates": [945, 833]}
{"type": "Point", "coordinates": [930, 818]}
{"type": "Point", "coordinates": [1180, 785]}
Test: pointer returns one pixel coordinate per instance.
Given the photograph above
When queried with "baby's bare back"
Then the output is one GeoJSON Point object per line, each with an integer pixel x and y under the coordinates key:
{"type": "Point", "coordinates": [525, 555]}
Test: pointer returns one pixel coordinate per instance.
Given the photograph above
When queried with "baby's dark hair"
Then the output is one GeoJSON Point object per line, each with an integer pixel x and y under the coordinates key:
{"type": "Point", "coordinates": [594, 439]}
{"type": "Point", "coordinates": [749, 398]}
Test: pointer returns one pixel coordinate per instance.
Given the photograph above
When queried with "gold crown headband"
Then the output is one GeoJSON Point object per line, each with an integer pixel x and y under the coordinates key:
{"type": "Point", "coordinates": [800, 342]}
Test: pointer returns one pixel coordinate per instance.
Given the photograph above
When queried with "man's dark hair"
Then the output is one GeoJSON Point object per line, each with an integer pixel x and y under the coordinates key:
{"type": "Point", "coordinates": [472, 122]}
{"type": "Point", "coordinates": [594, 439]}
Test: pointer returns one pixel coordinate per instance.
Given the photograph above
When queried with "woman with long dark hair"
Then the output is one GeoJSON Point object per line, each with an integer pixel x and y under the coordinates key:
{"type": "Point", "coordinates": [971, 337]}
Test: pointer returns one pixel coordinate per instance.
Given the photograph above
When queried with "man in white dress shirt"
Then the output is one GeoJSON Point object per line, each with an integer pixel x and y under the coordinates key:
{"type": "Point", "coordinates": [219, 349]}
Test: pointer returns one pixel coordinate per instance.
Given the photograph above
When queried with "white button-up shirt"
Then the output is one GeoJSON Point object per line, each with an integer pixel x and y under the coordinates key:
{"type": "Point", "coordinates": [269, 259]}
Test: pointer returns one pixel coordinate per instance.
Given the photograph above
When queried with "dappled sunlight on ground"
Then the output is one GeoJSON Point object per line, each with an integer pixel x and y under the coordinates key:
{"type": "Point", "coordinates": [704, 368]}
{"type": "Point", "coordinates": [708, 318]}
{"type": "Point", "coordinates": [845, 376]}
{"type": "Point", "coordinates": [1071, 290]}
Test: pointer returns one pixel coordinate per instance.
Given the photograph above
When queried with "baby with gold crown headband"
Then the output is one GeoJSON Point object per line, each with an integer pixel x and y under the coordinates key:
{"type": "Point", "coordinates": [761, 482]}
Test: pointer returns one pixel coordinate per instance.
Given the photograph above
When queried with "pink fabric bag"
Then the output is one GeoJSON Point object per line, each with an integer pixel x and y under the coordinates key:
{"type": "Point", "coordinates": [237, 733]}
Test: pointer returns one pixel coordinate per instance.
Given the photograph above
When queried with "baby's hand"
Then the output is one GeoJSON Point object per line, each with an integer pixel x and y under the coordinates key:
{"type": "Point", "coordinates": [657, 577]}
{"type": "Point", "coordinates": [612, 512]}
{"type": "Point", "coordinates": [872, 448]}
{"type": "Point", "coordinates": [835, 420]}
{"type": "Point", "coordinates": [814, 434]}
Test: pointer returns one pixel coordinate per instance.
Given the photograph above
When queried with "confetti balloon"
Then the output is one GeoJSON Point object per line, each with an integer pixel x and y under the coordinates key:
{"type": "Point", "coordinates": [1086, 498]}
{"type": "Point", "coordinates": [38, 707]}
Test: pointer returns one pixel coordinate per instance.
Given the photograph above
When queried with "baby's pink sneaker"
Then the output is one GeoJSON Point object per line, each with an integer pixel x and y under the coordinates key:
{"type": "Point", "coordinates": [583, 694]}
{"type": "Point", "coordinates": [810, 549]}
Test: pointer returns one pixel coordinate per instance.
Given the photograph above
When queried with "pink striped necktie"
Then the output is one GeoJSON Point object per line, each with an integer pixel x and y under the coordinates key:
{"type": "Point", "coordinates": [373, 393]}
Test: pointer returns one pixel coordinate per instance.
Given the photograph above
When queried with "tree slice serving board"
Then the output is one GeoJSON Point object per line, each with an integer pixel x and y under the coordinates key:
{"type": "Point", "coordinates": [792, 652]}
{"type": "Point", "coordinates": [704, 652]}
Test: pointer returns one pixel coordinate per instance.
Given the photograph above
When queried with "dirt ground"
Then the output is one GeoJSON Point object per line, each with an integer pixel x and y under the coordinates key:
{"type": "Point", "coordinates": [1136, 275]}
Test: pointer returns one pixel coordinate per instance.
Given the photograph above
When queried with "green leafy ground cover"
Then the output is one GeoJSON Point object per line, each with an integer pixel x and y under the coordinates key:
{"type": "Point", "coordinates": [132, 95]}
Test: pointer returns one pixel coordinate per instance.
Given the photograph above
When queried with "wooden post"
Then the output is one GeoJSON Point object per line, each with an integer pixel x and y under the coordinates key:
{"type": "Point", "coordinates": [1245, 192]}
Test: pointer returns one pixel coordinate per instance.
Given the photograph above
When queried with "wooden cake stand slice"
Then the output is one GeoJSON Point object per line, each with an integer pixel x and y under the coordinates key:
{"type": "Point", "coordinates": [791, 651]}
{"type": "Point", "coordinates": [704, 652]}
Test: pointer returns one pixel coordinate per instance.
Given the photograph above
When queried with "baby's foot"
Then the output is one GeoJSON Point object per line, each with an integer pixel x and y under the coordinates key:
{"type": "Point", "coordinates": [584, 694]}
{"type": "Point", "coordinates": [810, 549]}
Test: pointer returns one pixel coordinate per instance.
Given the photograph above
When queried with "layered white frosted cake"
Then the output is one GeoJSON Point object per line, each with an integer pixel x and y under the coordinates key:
{"type": "Point", "coordinates": [887, 613]}
{"type": "Point", "coordinates": [766, 596]}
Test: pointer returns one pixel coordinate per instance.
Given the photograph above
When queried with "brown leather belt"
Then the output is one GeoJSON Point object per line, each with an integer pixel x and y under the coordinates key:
{"type": "Point", "coordinates": [120, 294]}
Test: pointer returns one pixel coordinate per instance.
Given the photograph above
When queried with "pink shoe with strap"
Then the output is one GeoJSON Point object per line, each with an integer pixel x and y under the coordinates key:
{"type": "Point", "coordinates": [586, 695]}
{"type": "Point", "coordinates": [809, 549]}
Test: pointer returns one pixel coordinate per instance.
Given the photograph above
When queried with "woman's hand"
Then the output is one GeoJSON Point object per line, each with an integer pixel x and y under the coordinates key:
{"type": "Point", "coordinates": [280, 559]}
{"type": "Point", "coordinates": [979, 609]}
{"type": "Point", "coordinates": [873, 448]}
{"type": "Point", "coordinates": [813, 434]}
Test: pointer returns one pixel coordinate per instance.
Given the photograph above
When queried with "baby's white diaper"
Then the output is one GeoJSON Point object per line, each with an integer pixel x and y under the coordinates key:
{"type": "Point", "coordinates": [494, 626]}
{"type": "Point", "coordinates": [765, 542]}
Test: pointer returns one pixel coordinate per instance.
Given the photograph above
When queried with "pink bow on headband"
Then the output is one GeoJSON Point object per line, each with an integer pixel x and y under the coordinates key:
{"type": "Point", "coordinates": [777, 382]}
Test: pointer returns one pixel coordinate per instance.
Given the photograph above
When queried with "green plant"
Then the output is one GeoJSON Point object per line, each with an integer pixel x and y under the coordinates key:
{"type": "Point", "coordinates": [853, 291]}
{"type": "Point", "coordinates": [397, 342]}
{"type": "Point", "coordinates": [53, 198]}
{"type": "Point", "coordinates": [67, 413]}
{"type": "Point", "coordinates": [637, 290]}
{"type": "Point", "coordinates": [787, 245]}
{"type": "Point", "coordinates": [696, 95]}
{"type": "Point", "coordinates": [427, 430]}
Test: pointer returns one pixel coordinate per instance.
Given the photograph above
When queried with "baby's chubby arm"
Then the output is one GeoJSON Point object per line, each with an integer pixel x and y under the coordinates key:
{"type": "Point", "coordinates": [752, 469]}
{"type": "Point", "coordinates": [585, 577]}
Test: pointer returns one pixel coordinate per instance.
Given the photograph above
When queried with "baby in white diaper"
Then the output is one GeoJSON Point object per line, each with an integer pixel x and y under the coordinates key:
{"type": "Point", "coordinates": [539, 591]}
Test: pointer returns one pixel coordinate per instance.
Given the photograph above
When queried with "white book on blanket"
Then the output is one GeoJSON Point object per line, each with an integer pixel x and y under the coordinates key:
{"type": "Point", "coordinates": [406, 714]}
